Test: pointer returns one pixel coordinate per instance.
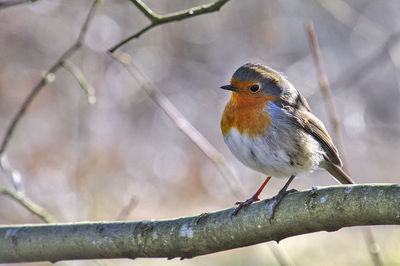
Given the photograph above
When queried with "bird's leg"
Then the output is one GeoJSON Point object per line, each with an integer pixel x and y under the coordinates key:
{"type": "Point", "coordinates": [278, 198]}
{"type": "Point", "coordinates": [254, 198]}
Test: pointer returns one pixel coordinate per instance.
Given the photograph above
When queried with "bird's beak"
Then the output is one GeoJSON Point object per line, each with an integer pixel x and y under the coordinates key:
{"type": "Point", "coordinates": [229, 88]}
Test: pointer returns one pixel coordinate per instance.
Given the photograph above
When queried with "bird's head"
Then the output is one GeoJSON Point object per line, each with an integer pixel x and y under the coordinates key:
{"type": "Point", "coordinates": [256, 80]}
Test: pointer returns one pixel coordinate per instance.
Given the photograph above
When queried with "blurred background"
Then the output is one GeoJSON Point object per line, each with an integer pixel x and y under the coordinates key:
{"type": "Point", "coordinates": [87, 162]}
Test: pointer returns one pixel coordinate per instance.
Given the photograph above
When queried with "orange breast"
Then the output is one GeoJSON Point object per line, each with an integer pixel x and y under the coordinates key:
{"type": "Point", "coordinates": [245, 113]}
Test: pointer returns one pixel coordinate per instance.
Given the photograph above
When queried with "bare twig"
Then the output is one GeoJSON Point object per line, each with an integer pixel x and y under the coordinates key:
{"type": "Point", "coordinates": [315, 210]}
{"type": "Point", "coordinates": [84, 84]}
{"type": "Point", "coordinates": [181, 122]}
{"type": "Point", "coordinates": [393, 50]}
{"type": "Point", "coordinates": [157, 19]}
{"type": "Point", "coordinates": [353, 74]}
{"type": "Point", "coordinates": [326, 91]}
{"type": "Point", "coordinates": [127, 209]}
{"type": "Point", "coordinates": [280, 254]}
{"type": "Point", "coordinates": [153, 17]}
{"type": "Point", "coordinates": [12, 173]}
{"type": "Point", "coordinates": [44, 80]}
{"type": "Point", "coordinates": [29, 205]}
{"type": "Point", "coordinates": [373, 246]}
{"type": "Point", "coordinates": [47, 78]}
{"type": "Point", "coordinates": [9, 3]}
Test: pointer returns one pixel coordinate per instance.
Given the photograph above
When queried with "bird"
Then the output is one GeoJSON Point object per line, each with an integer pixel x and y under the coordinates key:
{"type": "Point", "coordinates": [268, 125]}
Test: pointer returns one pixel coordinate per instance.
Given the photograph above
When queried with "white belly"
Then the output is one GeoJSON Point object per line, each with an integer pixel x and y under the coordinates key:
{"type": "Point", "coordinates": [282, 153]}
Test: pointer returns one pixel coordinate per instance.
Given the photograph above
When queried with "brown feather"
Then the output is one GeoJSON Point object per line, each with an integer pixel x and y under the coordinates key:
{"type": "Point", "coordinates": [338, 173]}
{"type": "Point", "coordinates": [303, 118]}
{"type": "Point", "coordinates": [313, 126]}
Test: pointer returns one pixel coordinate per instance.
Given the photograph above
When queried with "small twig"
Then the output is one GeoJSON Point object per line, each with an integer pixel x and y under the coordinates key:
{"type": "Point", "coordinates": [279, 254]}
{"type": "Point", "coordinates": [9, 3]}
{"type": "Point", "coordinates": [393, 52]}
{"type": "Point", "coordinates": [84, 84]}
{"type": "Point", "coordinates": [32, 207]}
{"type": "Point", "coordinates": [373, 246]}
{"type": "Point", "coordinates": [47, 78]}
{"type": "Point", "coordinates": [181, 122]}
{"type": "Point", "coordinates": [127, 209]}
{"type": "Point", "coordinates": [157, 19]}
{"type": "Point", "coordinates": [12, 173]}
{"type": "Point", "coordinates": [326, 91]}
{"type": "Point", "coordinates": [146, 10]}
{"type": "Point", "coordinates": [351, 75]}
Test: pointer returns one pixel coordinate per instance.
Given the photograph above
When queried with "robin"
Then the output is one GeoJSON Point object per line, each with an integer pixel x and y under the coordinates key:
{"type": "Point", "coordinates": [268, 125]}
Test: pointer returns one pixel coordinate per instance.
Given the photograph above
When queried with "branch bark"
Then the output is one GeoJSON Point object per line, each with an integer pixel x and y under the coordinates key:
{"type": "Point", "coordinates": [326, 209]}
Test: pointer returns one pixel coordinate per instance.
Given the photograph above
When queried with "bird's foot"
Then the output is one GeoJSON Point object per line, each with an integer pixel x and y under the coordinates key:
{"type": "Point", "coordinates": [241, 204]}
{"type": "Point", "coordinates": [251, 200]}
{"type": "Point", "coordinates": [276, 200]}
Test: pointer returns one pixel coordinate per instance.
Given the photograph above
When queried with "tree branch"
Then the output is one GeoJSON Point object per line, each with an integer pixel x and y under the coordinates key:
{"type": "Point", "coordinates": [157, 19]}
{"type": "Point", "coordinates": [326, 209]}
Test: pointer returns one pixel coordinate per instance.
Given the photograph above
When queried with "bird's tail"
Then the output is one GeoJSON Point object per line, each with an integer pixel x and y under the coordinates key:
{"type": "Point", "coordinates": [338, 173]}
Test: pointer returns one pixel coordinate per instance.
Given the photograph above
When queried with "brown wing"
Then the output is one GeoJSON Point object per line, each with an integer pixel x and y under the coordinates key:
{"type": "Point", "coordinates": [313, 126]}
{"type": "Point", "coordinates": [303, 117]}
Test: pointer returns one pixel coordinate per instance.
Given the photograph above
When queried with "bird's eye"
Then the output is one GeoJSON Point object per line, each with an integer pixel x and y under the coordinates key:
{"type": "Point", "coordinates": [255, 88]}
